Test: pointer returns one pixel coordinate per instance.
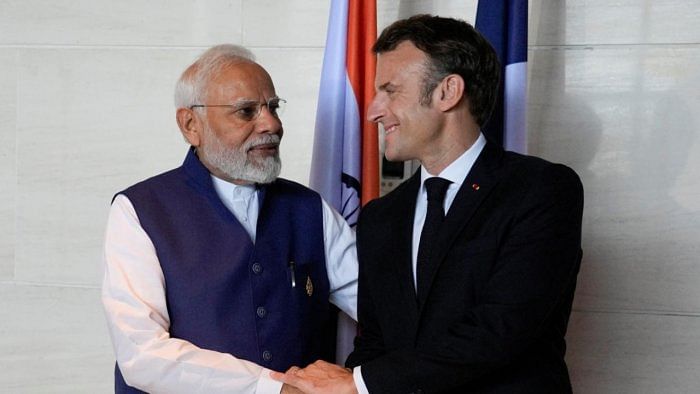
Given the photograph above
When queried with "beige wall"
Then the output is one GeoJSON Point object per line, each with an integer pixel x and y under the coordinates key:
{"type": "Point", "coordinates": [86, 110]}
{"type": "Point", "coordinates": [614, 93]}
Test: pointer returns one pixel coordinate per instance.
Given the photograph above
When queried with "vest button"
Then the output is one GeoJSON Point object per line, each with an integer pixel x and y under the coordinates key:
{"type": "Point", "coordinates": [261, 311]}
{"type": "Point", "coordinates": [267, 355]}
{"type": "Point", "coordinates": [257, 268]}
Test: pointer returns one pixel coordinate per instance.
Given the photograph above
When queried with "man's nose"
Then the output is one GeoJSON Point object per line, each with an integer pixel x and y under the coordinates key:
{"type": "Point", "coordinates": [375, 110]}
{"type": "Point", "coordinates": [268, 122]}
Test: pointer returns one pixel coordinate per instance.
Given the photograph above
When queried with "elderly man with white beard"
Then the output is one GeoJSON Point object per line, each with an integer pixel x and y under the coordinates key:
{"type": "Point", "coordinates": [218, 272]}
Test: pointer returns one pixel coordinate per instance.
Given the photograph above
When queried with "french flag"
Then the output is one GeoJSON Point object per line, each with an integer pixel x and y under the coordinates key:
{"type": "Point", "coordinates": [345, 161]}
{"type": "Point", "coordinates": [504, 24]}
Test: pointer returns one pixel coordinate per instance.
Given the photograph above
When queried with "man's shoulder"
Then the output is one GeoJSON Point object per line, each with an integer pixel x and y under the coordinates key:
{"type": "Point", "coordinates": [531, 179]}
{"type": "Point", "coordinates": [395, 200]}
{"type": "Point", "coordinates": [534, 169]}
{"type": "Point", "coordinates": [154, 181]}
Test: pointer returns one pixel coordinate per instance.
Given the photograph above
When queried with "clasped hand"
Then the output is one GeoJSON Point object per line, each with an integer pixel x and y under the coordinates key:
{"type": "Point", "coordinates": [318, 378]}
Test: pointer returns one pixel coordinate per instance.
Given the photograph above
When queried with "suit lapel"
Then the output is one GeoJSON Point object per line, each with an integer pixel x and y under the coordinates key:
{"type": "Point", "coordinates": [478, 184]}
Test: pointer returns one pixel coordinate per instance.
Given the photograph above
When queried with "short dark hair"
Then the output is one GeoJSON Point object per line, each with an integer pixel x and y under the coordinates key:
{"type": "Point", "coordinates": [453, 47]}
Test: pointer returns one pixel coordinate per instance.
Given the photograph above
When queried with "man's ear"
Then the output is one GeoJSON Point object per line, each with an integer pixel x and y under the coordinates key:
{"type": "Point", "coordinates": [190, 125]}
{"type": "Point", "coordinates": [451, 92]}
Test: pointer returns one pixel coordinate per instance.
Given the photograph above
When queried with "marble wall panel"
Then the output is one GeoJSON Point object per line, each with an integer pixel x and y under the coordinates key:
{"type": "Point", "coordinates": [8, 168]}
{"type": "Point", "coordinates": [304, 23]}
{"type": "Point", "coordinates": [633, 353]}
{"type": "Point", "coordinates": [90, 122]}
{"type": "Point", "coordinates": [86, 22]}
{"type": "Point", "coordinates": [292, 23]}
{"type": "Point", "coordinates": [390, 11]}
{"type": "Point", "coordinates": [56, 341]}
{"type": "Point", "coordinates": [596, 22]}
{"type": "Point", "coordinates": [625, 119]}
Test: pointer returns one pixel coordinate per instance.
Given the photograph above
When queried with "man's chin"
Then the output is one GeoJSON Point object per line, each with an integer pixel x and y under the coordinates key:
{"type": "Point", "coordinates": [264, 173]}
{"type": "Point", "coordinates": [392, 156]}
{"type": "Point", "coordinates": [261, 158]}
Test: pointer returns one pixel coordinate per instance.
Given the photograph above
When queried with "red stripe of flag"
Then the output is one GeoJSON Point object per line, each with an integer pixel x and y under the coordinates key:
{"type": "Point", "coordinates": [361, 63]}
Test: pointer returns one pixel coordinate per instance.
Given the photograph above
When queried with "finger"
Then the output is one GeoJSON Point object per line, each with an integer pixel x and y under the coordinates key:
{"type": "Point", "coordinates": [291, 379]}
{"type": "Point", "coordinates": [278, 376]}
{"type": "Point", "coordinates": [293, 370]}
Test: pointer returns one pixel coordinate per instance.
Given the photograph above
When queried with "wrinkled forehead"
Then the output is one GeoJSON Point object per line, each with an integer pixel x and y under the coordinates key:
{"type": "Point", "coordinates": [245, 80]}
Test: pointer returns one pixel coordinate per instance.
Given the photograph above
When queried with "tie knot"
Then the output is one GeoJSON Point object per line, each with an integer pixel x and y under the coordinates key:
{"type": "Point", "coordinates": [436, 188]}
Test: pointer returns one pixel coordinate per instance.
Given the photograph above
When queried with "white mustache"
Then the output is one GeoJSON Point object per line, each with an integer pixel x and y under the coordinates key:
{"type": "Point", "coordinates": [263, 140]}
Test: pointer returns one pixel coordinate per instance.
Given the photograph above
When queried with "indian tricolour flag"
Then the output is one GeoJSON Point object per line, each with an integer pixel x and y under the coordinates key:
{"type": "Point", "coordinates": [345, 161]}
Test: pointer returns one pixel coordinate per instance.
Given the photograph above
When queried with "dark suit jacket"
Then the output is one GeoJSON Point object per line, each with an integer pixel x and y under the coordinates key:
{"type": "Point", "coordinates": [494, 318]}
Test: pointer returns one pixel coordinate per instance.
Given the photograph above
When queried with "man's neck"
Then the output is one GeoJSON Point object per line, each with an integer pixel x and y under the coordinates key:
{"type": "Point", "coordinates": [448, 153]}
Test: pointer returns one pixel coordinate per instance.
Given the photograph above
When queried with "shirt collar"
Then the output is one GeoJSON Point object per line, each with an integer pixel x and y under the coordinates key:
{"type": "Point", "coordinates": [457, 171]}
{"type": "Point", "coordinates": [225, 190]}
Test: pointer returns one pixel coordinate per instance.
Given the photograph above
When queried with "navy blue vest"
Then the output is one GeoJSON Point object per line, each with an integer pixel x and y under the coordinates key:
{"type": "Point", "coordinates": [225, 293]}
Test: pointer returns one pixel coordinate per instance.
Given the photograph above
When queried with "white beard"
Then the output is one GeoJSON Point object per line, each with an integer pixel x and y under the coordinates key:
{"type": "Point", "coordinates": [236, 164]}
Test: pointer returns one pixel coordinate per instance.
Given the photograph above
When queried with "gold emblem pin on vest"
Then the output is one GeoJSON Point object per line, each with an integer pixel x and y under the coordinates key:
{"type": "Point", "coordinates": [309, 286]}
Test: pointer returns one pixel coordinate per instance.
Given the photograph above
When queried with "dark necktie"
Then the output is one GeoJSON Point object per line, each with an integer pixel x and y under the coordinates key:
{"type": "Point", "coordinates": [435, 214]}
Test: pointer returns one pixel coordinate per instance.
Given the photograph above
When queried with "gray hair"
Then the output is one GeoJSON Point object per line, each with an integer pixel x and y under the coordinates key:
{"type": "Point", "coordinates": [192, 85]}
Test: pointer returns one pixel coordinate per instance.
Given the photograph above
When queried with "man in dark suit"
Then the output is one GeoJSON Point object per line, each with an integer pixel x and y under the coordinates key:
{"type": "Point", "coordinates": [477, 300]}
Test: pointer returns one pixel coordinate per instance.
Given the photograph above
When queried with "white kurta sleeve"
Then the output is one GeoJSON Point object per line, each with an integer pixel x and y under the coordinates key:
{"type": "Point", "coordinates": [341, 260]}
{"type": "Point", "coordinates": [133, 295]}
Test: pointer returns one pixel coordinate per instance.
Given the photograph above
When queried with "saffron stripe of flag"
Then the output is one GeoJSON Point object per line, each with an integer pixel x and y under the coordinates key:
{"type": "Point", "coordinates": [361, 66]}
{"type": "Point", "coordinates": [504, 24]}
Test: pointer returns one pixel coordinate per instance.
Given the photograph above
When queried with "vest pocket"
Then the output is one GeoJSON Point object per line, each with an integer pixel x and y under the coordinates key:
{"type": "Point", "coordinates": [308, 289]}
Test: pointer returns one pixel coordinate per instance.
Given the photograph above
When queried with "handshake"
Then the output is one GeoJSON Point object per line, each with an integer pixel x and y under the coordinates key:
{"type": "Point", "coordinates": [317, 378]}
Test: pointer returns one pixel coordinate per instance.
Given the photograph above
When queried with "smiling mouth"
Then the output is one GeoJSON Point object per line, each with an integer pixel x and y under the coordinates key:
{"type": "Point", "coordinates": [391, 129]}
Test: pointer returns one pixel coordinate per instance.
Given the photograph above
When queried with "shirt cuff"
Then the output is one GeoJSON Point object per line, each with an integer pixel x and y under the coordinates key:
{"type": "Point", "coordinates": [267, 385]}
{"type": "Point", "coordinates": [359, 382]}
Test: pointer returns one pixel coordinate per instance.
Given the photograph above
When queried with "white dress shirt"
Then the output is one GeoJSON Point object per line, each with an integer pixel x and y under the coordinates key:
{"type": "Point", "coordinates": [133, 295]}
{"type": "Point", "coordinates": [455, 172]}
